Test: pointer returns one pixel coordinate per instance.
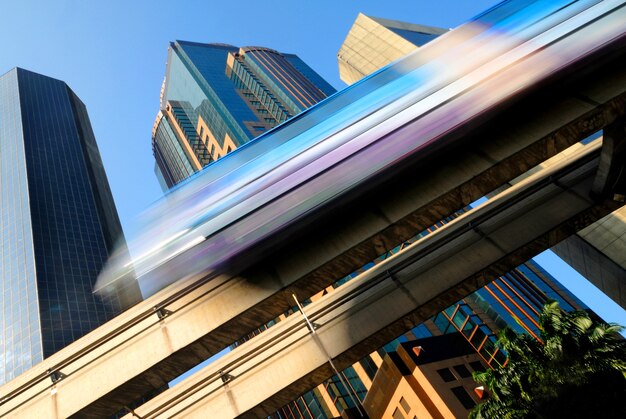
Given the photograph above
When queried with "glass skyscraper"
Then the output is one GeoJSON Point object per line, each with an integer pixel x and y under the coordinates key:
{"type": "Point", "coordinates": [58, 222]}
{"type": "Point", "coordinates": [217, 97]}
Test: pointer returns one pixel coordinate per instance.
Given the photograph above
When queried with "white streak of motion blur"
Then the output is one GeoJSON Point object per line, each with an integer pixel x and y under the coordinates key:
{"type": "Point", "coordinates": [156, 248]}
{"type": "Point", "coordinates": [256, 198]}
{"type": "Point", "coordinates": [189, 245]}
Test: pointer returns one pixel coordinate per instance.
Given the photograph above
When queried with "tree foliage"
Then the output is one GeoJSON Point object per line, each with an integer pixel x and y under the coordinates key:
{"type": "Point", "coordinates": [579, 370]}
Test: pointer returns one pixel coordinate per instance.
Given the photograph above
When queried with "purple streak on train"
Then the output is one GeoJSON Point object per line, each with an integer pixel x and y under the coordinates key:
{"type": "Point", "coordinates": [344, 143]}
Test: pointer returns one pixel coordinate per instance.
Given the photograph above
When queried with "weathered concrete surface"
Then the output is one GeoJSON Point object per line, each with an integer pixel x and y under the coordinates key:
{"type": "Point", "coordinates": [275, 367]}
{"type": "Point", "coordinates": [137, 352]}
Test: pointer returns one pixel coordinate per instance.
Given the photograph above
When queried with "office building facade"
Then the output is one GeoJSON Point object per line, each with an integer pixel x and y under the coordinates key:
{"type": "Point", "coordinates": [217, 97]}
{"type": "Point", "coordinates": [426, 378]}
{"type": "Point", "coordinates": [373, 42]}
{"type": "Point", "coordinates": [598, 252]}
{"type": "Point", "coordinates": [58, 222]}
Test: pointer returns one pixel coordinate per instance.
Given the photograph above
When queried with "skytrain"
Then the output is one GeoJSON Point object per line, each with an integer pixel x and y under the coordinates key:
{"type": "Point", "coordinates": [343, 145]}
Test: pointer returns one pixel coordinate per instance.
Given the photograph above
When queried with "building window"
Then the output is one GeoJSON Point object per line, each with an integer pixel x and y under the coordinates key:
{"type": "Point", "coordinates": [369, 366]}
{"type": "Point", "coordinates": [421, 331]}
{"type": "Point", "coordinates": [442, 323]}
{"type": "Point", "coordinates": [446, 375]}
{"type": "Point", "coordinates": [355, 382]}
{"type": "Point", "coordinates": [405, 405]}
{"type": "Point", "coordinates": [477, 366]}
{"type": "Point", "coordinates": [462, 371]}
{"type": "Point", "coordinates": [397, 414]}
{"type": "Point", "coordinates": [462, 395]}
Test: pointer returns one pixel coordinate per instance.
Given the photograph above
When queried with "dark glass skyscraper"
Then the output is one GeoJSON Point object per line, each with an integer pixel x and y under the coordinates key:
{"type": "Point", "coordinates": [58, 222]}
{"type": "Point", "coordinates": [217, 97]}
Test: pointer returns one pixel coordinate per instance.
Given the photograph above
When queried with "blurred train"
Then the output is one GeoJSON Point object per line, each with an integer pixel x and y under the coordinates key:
{"type": "Point", "coordinates": [344, 143]}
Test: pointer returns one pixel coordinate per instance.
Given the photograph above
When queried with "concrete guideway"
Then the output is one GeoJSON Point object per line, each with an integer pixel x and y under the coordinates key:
{"type": "Point", "coordinates": [145, 348]}
{"type": "Point", "coordinates": [275, 367]}
{"type": "Point", "coordinates": [169, 333]}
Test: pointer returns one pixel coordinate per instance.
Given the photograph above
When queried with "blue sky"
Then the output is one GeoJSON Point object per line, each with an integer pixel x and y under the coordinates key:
{"type": "Point", "coordinates": [112, 53]}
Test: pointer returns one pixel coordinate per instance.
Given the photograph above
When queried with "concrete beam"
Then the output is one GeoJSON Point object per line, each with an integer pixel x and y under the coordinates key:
{"type": "Point", "coordinates": [611, 177]}
{"type": "Point", "coordinates": [142, 350]}
{"type": "Point", "coordinates": [275, 367]}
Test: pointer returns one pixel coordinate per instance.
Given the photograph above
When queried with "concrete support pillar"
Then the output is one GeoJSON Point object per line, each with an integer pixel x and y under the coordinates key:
{"type": "Point", "coordinates": [611, 176]}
